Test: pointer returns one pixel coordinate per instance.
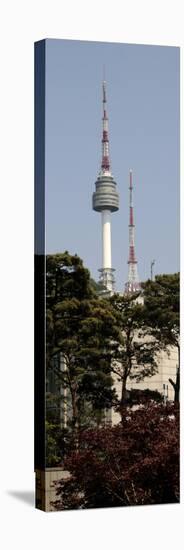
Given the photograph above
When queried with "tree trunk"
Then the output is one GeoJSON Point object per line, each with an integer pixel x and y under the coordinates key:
{"type": "Point", "coordinates": [75, 418]}
{"type": "Point", "coordinates": [177, 392]}
{"type": "Point", "coordinates": [176, 385]}
{"type": "Point", "coordinates": [123, 396]}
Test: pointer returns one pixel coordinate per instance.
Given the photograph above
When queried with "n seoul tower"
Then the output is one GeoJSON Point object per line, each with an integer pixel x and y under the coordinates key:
{"type": "Point", "coordinates": [106, 200]}
{"type": "Point", "coordinates": [133, 284]}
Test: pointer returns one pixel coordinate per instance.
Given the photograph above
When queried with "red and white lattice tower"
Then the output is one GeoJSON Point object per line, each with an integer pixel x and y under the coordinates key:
{"type": "Point", "coordinates": [132, 284]}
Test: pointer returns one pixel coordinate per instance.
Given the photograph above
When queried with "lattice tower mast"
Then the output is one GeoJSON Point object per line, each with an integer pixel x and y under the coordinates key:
{"type": "Point", "coordinates": [133, 284]}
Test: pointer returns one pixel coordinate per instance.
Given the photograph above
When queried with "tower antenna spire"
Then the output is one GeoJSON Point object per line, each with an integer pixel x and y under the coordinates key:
{"type": "Point", "coordinates": [106, 200]}
{"type": "Point", "coordinates": [132, 284]}
{"type": "Point", "coordinates": [105, 164]}
{"type": "Point", "coordinates": [152, 265]}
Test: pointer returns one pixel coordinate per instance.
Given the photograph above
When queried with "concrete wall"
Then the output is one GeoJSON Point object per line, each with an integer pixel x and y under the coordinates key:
{"type": "Point", "coordinates": [45, 487]}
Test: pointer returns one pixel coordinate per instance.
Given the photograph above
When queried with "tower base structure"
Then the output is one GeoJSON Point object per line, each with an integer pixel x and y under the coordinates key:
{"type": "Point", "coordinates": [107, 279]}
{"type": "Point", "coordinates": [131, 287]}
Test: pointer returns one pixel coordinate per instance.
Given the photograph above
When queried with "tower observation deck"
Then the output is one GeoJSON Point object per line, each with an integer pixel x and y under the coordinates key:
{"type": "Point", "coordinates": [106, 200]}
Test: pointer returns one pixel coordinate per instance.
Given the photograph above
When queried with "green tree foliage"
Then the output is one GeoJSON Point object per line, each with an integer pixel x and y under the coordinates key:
{"type": "Point", "coordinates": [53, 437]}
{"type": "Point", "coordinates": [59, 443]}
{"type": "Point", "coordinates": [97, 287]}
{"type": "Point", "coordinates": [81, 327]}
{"type": "Point", "coordinates": [136, 396]}
{"type": "Point", "coordinates": [161, 299]}
{"type": "Point", "coordinates": [135, 356]}
{"type": "Point", "coordinates": [133, 463]}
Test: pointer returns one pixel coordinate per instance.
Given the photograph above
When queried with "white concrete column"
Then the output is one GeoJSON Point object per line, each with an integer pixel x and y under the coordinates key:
{"type": "Point", "coordinates": [106, 239]}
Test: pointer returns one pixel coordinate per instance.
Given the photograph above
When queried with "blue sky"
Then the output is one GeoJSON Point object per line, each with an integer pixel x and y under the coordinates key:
{"type": "Point", "coordinates": [143, 109]}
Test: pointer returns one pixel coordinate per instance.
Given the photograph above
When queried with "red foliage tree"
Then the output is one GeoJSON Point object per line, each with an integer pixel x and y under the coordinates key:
{"type": "Point", "coordinates": [133, 463]}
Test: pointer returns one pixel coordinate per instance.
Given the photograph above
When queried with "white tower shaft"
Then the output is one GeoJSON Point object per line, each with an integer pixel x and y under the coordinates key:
{"type": "Point", "coordinates": [106, 239]}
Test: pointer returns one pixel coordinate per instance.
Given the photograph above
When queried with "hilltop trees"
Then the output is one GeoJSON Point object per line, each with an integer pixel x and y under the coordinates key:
{"type": "Point", "coordinates": [98, 338]}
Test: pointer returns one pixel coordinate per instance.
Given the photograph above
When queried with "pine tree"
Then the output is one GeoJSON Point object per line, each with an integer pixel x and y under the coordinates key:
{"type": "Point", "coordinates": [136, 356]}
{"type": "Point", "coordinates": [81, 328]}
